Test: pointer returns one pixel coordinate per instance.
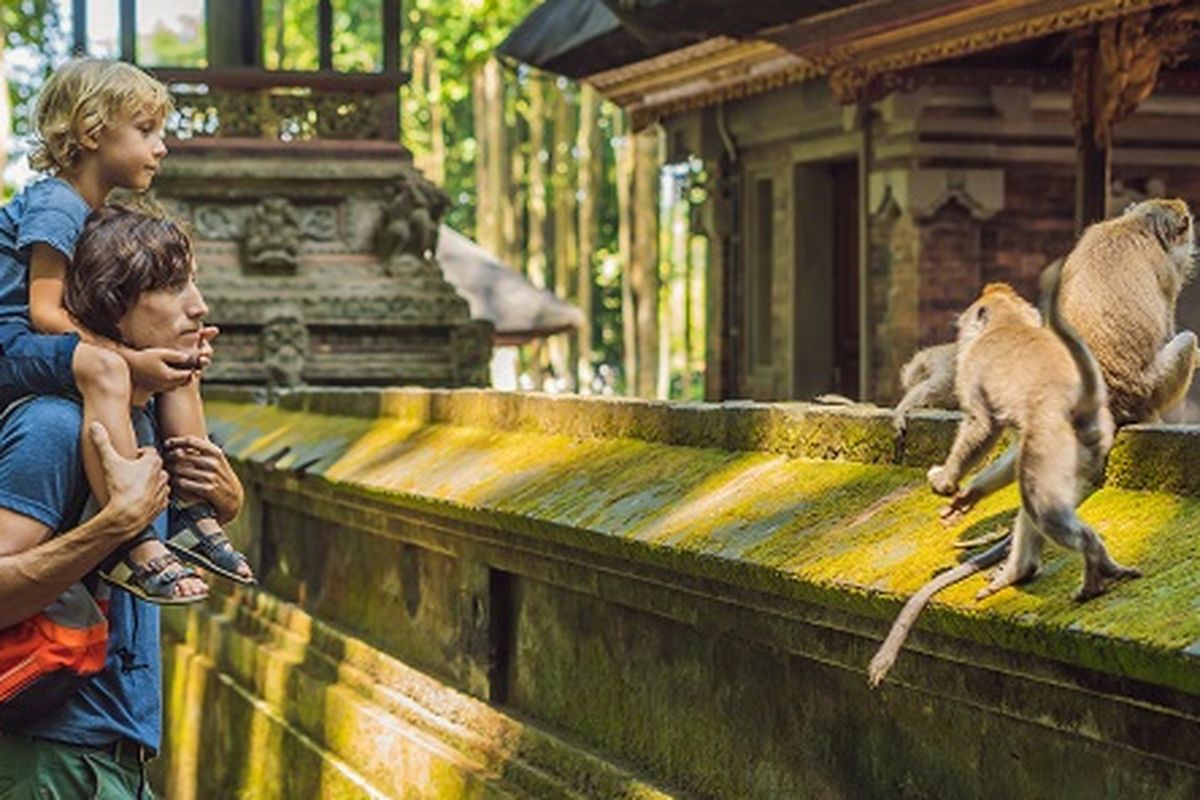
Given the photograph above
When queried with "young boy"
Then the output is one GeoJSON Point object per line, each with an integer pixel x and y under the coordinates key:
{"type": "Point", "coordinates": [99, 127]}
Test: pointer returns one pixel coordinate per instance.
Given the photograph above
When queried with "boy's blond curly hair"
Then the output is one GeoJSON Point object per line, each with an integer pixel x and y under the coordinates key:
{"type": "Point", "coordinates": [80, 98]}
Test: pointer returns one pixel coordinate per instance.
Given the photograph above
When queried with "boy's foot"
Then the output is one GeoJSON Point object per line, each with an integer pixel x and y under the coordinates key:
{"type": "Point", "coordinates": [160, 579]}
{"type": "Point", "coordinates": [196, 536]}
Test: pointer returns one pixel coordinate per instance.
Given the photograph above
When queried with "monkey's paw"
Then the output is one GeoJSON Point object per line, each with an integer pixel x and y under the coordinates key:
{"type": "Point", "coordinates": [941, 482]}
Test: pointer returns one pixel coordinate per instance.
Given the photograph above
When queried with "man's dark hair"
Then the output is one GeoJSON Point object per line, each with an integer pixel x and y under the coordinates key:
{"type": "Point", "coordinates": [120, 254]}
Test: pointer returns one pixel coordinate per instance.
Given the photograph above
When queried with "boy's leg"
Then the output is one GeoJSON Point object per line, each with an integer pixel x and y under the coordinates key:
{"type": "Point", "coordinates": [102, 378]}
{"type": "Point", "coordinates": [181, 413]}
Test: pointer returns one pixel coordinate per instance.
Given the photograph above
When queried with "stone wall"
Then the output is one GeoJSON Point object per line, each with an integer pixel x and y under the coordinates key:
{"type": "Point", "coordinates": [477, 594]}
{"type": "Point", "coordinates": [318, 266]}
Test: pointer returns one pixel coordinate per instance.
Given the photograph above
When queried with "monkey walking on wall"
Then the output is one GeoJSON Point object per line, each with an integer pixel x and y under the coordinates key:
{"type": "Point", "coordinates": [1012, 371]}
{"type": "Point", "coordinates": [1120, 286]}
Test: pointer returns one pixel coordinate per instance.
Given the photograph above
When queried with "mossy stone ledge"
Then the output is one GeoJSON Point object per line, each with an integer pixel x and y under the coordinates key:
{"type": "Point", "coordinates": [691, 593]}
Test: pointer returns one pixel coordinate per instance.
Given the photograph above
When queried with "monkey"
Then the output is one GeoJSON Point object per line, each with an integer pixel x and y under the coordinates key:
{"type": "Point", "coordinates": [1120, 286]}
{"type": "Point", "coordinates": [1045, 382]}
{"type": "Point", "coordinates": [928, 381]}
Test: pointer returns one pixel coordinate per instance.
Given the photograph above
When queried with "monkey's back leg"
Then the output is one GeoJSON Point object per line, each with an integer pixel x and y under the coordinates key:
{"type": "Point", "coordinates": [1024, 557]}
{"type": "Point", "coordinates": [1050, 490]}
{"type": "Point", "coordinates": [1171, 375]}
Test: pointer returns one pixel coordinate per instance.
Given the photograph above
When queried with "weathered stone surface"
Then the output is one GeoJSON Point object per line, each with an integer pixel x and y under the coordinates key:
{"type": "Point", "coordinates": [320, 270]}
{"type": "Point", "coordinates": [696, 590]}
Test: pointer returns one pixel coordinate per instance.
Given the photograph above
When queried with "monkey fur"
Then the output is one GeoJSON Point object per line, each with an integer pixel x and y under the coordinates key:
{"type": "Point", "coordinates": [928, 381]}
{"type": "Point", "coordinates": [1043, 381]}
{"type": "Point", "coordinates": [1120, 286]}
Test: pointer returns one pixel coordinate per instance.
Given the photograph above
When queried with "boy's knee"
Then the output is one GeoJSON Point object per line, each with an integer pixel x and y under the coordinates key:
{"type": "Point", "coordinates": [100, 370]}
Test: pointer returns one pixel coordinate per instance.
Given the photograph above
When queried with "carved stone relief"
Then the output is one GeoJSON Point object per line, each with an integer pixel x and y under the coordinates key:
{"type": "Point", "coordinates": [272, 243]}
{"type": "Point", "coordinates": [324, 289]}
{"type": "Point", "coordinates": [218, 222]}
{"type": "Point", "coordinates": [284, 345]}
{"type": "Point", "coordinates": [411, 218]}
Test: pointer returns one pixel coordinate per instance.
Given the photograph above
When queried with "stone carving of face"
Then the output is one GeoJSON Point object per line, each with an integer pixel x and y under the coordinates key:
{"type": "Point", "coordinates": [284, 346]}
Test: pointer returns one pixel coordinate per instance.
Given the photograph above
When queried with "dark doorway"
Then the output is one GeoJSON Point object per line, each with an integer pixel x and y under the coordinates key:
{"type": "Point", "coordinates": [826, 285]}
{"type": "Point", "coordinates": [845, 278]}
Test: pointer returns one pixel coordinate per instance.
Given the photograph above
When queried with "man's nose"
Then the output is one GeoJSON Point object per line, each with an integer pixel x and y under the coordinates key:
{"type": "Point", "coordinates": [160, 148]}
{"type": "Point", "coordinates": [196, 308]}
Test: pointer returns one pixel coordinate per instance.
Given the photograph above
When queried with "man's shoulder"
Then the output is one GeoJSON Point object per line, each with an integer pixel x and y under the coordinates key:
{"type": "Point", "coordinates": [50, 424]}
{"type": "Point", "coordinates": [41, 472]}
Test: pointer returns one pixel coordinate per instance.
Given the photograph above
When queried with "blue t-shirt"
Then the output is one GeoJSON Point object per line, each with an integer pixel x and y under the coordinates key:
{"type": "Point", "coordinates": [41, 476]}
{"type": "Point", "coordinates": [49, 211]}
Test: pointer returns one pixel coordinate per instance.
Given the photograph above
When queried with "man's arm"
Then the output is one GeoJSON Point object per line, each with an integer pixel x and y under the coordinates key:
{"type": "Point", "coordinates": [33, 577]}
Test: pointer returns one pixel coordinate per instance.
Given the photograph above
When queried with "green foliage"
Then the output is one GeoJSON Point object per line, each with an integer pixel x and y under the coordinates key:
{"type": "Point", "coordinates": [168, 47]}
{"type": "Point", "coordinates": [462, 34]}
{"type": "Point", "coordinates": [34, 38]}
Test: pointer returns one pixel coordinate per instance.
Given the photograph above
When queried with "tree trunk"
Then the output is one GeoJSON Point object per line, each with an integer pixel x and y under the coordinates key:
{"type": "Point", "coordinates": [645, 283]}
{"type": "Point", "coordinates": [419, 98]}
{"type": "Point", "coordinates": [536, 263]}
{"type": "Point", "coordinates": [437, 125]}
{"type": "Point", "coordinates": [566, 251]}
{"type": "Point", "coordinates": [629, 348]}
{"type": "Point", "coordinates": [590, 177]}
{"type": "Point", "coordinates": [484, 213]}
{"type": "Point", "coordinates": [519, 190]}
{"type": "Point", "coordinates": [492, 237]}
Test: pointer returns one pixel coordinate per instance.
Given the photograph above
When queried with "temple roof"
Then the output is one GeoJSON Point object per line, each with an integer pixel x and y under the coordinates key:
{"type": "Point", "coordinates": [694, 53]}
{"type": "Point", "coordinates": [498, 293]}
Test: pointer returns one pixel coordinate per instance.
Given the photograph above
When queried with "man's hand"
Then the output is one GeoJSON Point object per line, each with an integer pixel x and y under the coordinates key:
{"type": "Point", "coordinates": [160, 369]}
{"type": "Point", "coordinates": [137, 489]}
{"type": "Point", "coordinates": [200, 471]}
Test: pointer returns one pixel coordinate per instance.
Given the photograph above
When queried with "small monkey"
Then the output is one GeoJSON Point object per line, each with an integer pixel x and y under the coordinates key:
{"type": "Point", "coordinates": [1120, 286]}
{"type": "Point", "coordinates": [1044, 382]}
{"type": "Point", "coordinates": [928, 381]}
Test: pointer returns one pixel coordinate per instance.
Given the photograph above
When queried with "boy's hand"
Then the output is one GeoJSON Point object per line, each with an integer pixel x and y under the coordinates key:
{"type": "Point", "coordinates": [137, 488]}
{"type": "Point", "coordinates": [204, 352]}
{"type": "Point", "coordinates": [200, 471]}
{"type": "Point", "coordinates": [160, 369]}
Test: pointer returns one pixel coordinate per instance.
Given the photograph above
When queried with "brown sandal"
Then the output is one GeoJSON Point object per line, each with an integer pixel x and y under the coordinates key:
{"type": "Point", "coordinates": [155, 581]}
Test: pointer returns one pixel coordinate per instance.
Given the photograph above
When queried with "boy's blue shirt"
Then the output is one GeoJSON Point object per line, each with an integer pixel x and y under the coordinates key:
{"type": "Point", "coordinates": [41, 476]}
{"type": "Point", "coordinates": [50, 212]}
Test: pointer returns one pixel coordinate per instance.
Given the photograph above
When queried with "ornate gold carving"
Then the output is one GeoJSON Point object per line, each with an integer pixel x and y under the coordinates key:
{"type": "Point", "coordinates": [687, 78]}
{"type": "Point", "coordinates": [1117, 70]}
{"type": "Point", "coordinates": [281, 113]}
{"type": "Point", "coordinates": [931, 49]}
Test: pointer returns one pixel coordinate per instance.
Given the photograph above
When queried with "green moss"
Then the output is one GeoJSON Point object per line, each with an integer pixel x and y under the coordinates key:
{"type": "Point", "coordinates": [853, 533]}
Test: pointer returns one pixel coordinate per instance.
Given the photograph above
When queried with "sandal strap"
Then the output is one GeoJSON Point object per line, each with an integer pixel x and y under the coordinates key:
{"type": "Point", "coordinates": [159, 575]}
{"type": "Point", "coordinates": [217, 548]}
{"type": "Point", "coordinates": [195, 511]}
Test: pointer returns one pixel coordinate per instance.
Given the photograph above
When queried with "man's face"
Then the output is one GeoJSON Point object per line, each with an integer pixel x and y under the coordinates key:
{"type": "Point", "coordinates": [166, 318]}
{"type": "Point", "coordinates": [130, 151]}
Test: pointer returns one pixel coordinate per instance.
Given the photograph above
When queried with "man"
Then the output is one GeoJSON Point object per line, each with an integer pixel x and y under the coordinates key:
{"type": "Point", "coordinates": [98, 742]}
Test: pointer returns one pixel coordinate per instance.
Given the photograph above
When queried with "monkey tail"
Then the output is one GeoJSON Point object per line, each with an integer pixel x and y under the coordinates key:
{"type": "Point", "coordinates": [1093, 395]}
{"type": "Point", "coordinates": [885, 657]}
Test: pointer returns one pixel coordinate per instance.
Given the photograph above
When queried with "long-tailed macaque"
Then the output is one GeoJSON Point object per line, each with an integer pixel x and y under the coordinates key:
{"type": "Point", "coordinates": [1043, 381]}
{"type": "Point", "coordinates": [1120, 286]}
{"type": "Point", "coordinates": [928, 381]}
